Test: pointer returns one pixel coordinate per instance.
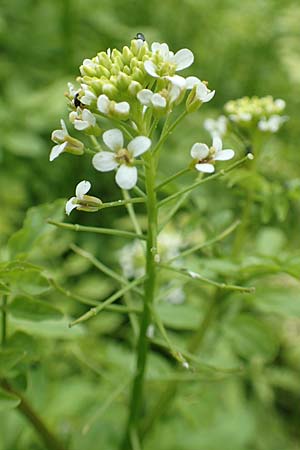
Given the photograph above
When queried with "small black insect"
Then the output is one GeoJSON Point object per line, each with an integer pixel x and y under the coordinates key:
{"type": "Point", "coordinates": [140, 36]}
{"type": "Point", "coordinates": [77, 102]}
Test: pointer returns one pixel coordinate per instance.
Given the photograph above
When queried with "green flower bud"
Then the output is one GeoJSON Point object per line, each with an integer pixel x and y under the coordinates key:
{"type": "Point", "coordinates": [134, 88]}
{"type": "Point", "coordinates": [104, 60]}
{"type": "Point", "coordinates": [127, 55]}
{"type": "Point", "coordinates": [123, 81]}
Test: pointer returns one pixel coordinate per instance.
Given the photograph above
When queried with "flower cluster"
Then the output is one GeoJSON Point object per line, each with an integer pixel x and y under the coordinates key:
{"type": "Point", "coordinates": [264, 113]}
{"type": "Point", "coordinates": [132, 88]}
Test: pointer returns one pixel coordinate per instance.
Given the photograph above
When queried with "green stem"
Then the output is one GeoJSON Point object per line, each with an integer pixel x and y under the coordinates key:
{"type": "Point", "coordinates": [4, 321]}
{"type": "Point", "coordinates": [109, 231]}
{"type": "Point", "coordinates": [131, 211]}
{"type": "Point", "coordinates": [96, 309]}
{"type": "Point", "coordinates": [197, 276]}
{"type": "Point", "coordinates": [126, 202]}
{"type": "Point", "coordinates": [102, 267]}
{"type": "Point", "coordinates": [202, 181]}
{"type": "Point", "coordinates": [136, 403]}
{"type": "Point", "coordinates": [194, 345]}
{"type": "Point", "coordinates": [172, 178]}
{"type": "Point", "coordinates": [50, 440]}
{"type": "Point", "coordinates": [212, 241]}
{"type": "Point", "coordinates": [88, 301]}
{"type": "Point", "coordinates": [166, 133]}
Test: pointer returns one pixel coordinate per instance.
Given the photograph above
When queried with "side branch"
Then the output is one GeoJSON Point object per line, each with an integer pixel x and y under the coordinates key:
{"type": "Point", "coordinates": [94, 311]}
{"type": "Point", "coordinates": [108, 231]}
{"type": "Point", "coordinates": [202, 181]}
{"type": "Point", "coordinates": [197, 276]}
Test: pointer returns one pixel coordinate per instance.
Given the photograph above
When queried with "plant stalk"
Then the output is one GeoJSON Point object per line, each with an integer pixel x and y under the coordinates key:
{"type": "Point", "coordinates": [133, 428]}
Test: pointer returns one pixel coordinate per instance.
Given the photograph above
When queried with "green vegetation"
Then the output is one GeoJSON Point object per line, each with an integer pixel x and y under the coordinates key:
{"type": "Point", "coordinates": [224, 362]}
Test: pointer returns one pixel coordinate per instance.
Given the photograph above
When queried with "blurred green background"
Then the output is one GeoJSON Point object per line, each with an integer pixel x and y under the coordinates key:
{"type": "Point", "coordinates": [241, 48]}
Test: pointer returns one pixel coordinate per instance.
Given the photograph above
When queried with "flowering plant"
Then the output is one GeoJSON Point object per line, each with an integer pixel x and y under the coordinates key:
{"type": "Point", "coordinates": [125, 108]}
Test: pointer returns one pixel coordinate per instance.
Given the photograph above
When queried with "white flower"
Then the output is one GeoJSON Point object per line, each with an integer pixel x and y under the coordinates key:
{"type": "Point", "coordinates": [82, 119]}
{"type": "Point", "coordinates": [272, 124]}
{"type": "Point", "coordinates": [181, 60]}
{"type": "Point", "coordinates": [82, 201]}
{"type": "Point", "coordinates": [203, 93]}
{"type": "Point", "coordinates": [88, 96]}
{"type": "Point", "coordinates": [216, 127]}
{"type": "Point", "coordinates": [121, 158]}
{"type": "Point", "coordinates": [65, 143]}
{"type": "Point", "coordinates": [149, 98]}
{"type": "Point", "coordinates": [110, 107]}
{"type": "Point", "coordinates": [72, 90]}
{"type": "Point", "coordinates": [205, 156]}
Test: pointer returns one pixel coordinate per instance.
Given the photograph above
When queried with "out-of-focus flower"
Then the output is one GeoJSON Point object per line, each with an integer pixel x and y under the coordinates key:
{"type": "Point", "coordinates": [216, 127]}
{"type": "Point", "coordinates": [272, 124]}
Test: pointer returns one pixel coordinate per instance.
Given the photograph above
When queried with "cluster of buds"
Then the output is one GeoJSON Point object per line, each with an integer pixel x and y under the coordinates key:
{"type": "Point", "coordinates": [265, 113]}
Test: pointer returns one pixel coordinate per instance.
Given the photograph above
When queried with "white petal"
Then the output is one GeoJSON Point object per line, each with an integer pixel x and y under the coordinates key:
{"type": "Point", "coordinates": [151, 68]}
{"type": "Point", "coordinates": [178, 81]}
{"type": "Point", "coordinates": [113, 139]}
{"type": "Point", "coordinates": [209, 96]}
{"type": "Point", "coordinates": [57, 150]}
{"type": "Point", "coordinates": [63, 126]}
{"type": "Point", "coordinates": [58, 135]}
{"type": "Point", "coordinates": [158, 101]}
{"type": "Point", "coordinates": [224, 155]}
{"type": "Point", "coordinates": [82, 188]}
{"type": "Point", "coordinates": [88, 117]}
{"type": "Point", "coordinates": [199, 151]}
{"type": "Point", "coordinates": [103, 104]}
{"type": "Point", "coordinates": [183, 59]}
{"type": "Point", "coordinates": [139, 145]}
{"type": "Point", "coordinates": [205, 167]}
{"type": "Point", "coordinates": [88, 97]}
{"type": "Point", "coordinates": [217, 143]}
{"type": "Point", "coordinates": [122, 107]}
{"type": "Point", "coordinates": [155, 47]}
{"type": "Point", "coordinates": [81, 124]}
{"type": "Point", "coordinates": [164, 51]}
{"type": "Point", "coordinates": [126, 176]}
{"type": "Point", "coordinates": [174, 93]}
{"type": "Point", "coordinates": [144, 96]}
{"type": "Point", "coordinates": [70, 205]}
{"type": "Point", "coordinates": [88, 63]}
{"type": "Point", "coordinates": [104, 161]}
{"type": "Point", "coordinates": [191, 82]}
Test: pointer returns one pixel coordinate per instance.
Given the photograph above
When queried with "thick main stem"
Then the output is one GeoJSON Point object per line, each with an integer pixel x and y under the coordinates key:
{"type": "Point", "coordinates": [143, 344]}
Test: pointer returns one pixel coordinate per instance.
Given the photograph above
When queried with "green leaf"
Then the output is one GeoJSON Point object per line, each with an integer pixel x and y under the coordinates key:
{"type": "Point", "coordinates": [3, 289]}
{"type": "Point", "coordinates": [8, 400]}
{"type": "Point", "coordinates": [35, 225]}
{"type": "Point", "coordinates": [179, 317]}
{"type": "Point", "coordinates": [24, 278]}
{"type": "Point", "coordinates": [283, 300]}
{"type": "Point", "coordinates": [252, 338]}
{"type": "Point", "coordinates": [8, 359]}
{"type": "Point", "coordinates": [32, 309]}
{"type": "Point", "coordinates": [270, 241]}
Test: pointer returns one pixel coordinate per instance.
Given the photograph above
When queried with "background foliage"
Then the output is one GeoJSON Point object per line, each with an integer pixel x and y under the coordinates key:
{"type": "Point", "coordinates": [78, 379]}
